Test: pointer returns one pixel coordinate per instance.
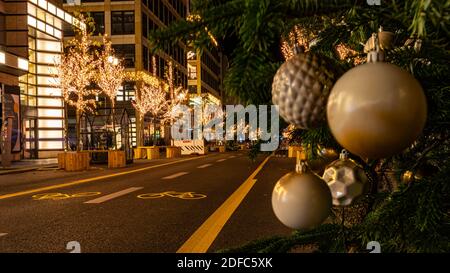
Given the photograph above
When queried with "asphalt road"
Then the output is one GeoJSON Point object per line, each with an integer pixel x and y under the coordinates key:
{"type": "Point", "coordinates": [129, 213]}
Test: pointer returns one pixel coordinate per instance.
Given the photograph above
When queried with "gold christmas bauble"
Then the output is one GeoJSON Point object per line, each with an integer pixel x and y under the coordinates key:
{"type": "Point", "coordinates": [376, 110]}
{"type": "Point", "coordinates": [301, 200]}
{"type": "Point", "coordinates": [300, 89]}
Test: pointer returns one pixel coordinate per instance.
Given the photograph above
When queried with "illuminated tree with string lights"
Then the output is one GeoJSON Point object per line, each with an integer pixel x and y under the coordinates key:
{"type": "Point", "coordinates": [76, 70]}
{"type": "Point", "coordinates": [150, 99]}
{"type": "Point", "coordinates": [158, 98]}
{"type": "Point", "coordinates": [110, 76]}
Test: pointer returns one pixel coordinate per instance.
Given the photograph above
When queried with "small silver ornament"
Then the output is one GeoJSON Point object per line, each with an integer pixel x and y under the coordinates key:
{"type": "Point", "coordinates": [346, 179]}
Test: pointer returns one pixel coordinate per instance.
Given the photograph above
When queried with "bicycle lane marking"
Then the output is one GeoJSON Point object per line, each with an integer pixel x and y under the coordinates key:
{"type": "Point", "coordinates": [174, 194]}
{"type": "Point", "coordinates": [113, 195]}
{"type": "Point", "coordinates": [82, 181]}
{"type": "Point", "coordinates": [204, 236]}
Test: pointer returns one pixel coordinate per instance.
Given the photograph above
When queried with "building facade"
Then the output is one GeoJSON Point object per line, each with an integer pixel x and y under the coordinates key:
{"type": "Point", "coordinates": [128, 24]}
{"type": "Point", "coordinates": [31, 34]}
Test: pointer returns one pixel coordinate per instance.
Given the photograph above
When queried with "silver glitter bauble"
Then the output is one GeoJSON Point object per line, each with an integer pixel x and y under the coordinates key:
{"type": "Point", "coordinates": [346, 179]}
{"type": "Point", "coordinates": [300, 88]}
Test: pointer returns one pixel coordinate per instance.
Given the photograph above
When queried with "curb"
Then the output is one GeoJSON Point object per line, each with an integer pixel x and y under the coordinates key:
{"type": "Point", "coordinates": [23, 170]}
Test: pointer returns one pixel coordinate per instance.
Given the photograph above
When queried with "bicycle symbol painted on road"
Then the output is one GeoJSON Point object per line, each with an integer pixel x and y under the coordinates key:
{"type": "Point", "coordinates": [61, 196]}
{"type": "Point", "coordinates": [190, 195]}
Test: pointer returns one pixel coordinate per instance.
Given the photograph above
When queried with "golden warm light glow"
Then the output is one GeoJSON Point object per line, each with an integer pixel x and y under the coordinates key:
{"type": "Point", "coordinates": [296, 37]}
{"type": "Point", "coordinates": [196, 17]}
{"type": "Point", "coordinates": [346, 53]}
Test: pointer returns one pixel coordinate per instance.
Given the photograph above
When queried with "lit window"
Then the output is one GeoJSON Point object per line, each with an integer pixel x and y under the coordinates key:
{"type": "Point", "coordinates": [44, 112]}
{"type": "Point", "coordinates": [45, 80]}
{"type": "Point", "coordinates": [50, 123]}
{"type": "Point", "coordinates": [41, 25]}
{"type": "Point", "coordinates": [31, 9]}
{"type": "Point", "coordinates": [22, 64]}
{"type": "Point", "coordinates": [48, 45]}
{"type": "Point", "coordinates": [49, 29]}
{"type": "Point", "coordinates": [68, 18]}
{"type": "Point", "coordinates": [2, 57]}
{"type": "Point", "coordinates": [31, 21]}
{"type": "Point", "coordinates": [44, 69]}
{"type": "Point", "coordinates": [52, 8]}
{"type": "Point", "coordinates": [48, 91]}
{"type": "Point", "coordinates": [50, 145]}
{"type": "Point", "coordinates": [58, 34]}
{"type": "Point", "coordinates": [60, 13]}
{"type": "Point", "coordinates": [50, 133]}
{"type": "Point", "coordinates": [42, 4]}
{"type": "Point", "coordinates": [48, 58]}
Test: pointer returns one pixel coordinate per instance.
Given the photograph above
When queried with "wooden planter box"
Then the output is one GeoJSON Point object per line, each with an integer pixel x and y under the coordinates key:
{"type": "Point", "coordinates": [138, 154]}
{"type": "Point", "coordinates": [221, 149]}
{"type": "Point", "coordinates": [116, 159]}
{"type": "Point", "coordinates": [173, 151]}
{"type": "Point", "coordinates": [292, 150]}
{"type": "Point", "coordinates": [74, 161]}
{"type": "Point", "coordinates": [62, 160]}
{"type": "Point", "coordinates": [152, 152]}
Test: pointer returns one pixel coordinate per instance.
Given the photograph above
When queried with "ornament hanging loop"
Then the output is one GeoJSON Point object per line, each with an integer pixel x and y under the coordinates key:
{"type": "Point", "coordinates": [375, 54]}
{"type": "Point", "coordinates": [298, 49]}
{"type": "Point", "coordinates": [300, 166]}
{"type": "Point", "coordinates": [344, 154]}
{"type": "Point", "coordinates": [376, 46]}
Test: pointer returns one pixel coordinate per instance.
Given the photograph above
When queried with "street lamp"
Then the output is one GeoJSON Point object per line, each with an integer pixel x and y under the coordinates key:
{"type": "Point", "coordinates": [113, 60]}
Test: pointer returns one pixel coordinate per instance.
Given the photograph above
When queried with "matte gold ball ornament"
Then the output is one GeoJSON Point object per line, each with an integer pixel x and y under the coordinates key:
{"type": "Point", "coordinates": [376, 110]}
{"type": "Point", "coordinates": [300, 88]}
{"type": "Point", "coordinates": [301, 199]}
{"type": "Point", "coordinates": [347, 180]}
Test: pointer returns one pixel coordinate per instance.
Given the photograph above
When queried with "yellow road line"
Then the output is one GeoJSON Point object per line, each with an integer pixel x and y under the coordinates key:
{"type": "Point", "coordinates": [91, 179]}
{"type": "Point", "coordinates": [204, 236]}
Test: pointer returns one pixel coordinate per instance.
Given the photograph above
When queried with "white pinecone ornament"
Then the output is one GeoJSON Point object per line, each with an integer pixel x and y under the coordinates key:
{"type": "Point", "coordinates": [300, 88]}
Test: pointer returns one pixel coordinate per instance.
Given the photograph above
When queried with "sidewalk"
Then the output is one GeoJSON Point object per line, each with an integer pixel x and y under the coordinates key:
{"type": "Point", "coordinates": [27, 165]}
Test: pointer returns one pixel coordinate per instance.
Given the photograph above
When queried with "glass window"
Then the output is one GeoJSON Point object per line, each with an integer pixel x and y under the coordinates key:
{"type": "Point", "coordinates": [144, 25]}
{"type": "Point", "coordinates": [145, 57]}
{"type": "Point", "coordinates": [99, 21]}
{"type": "Point", "coordinates": [126, 92]}
{"type": "Point", "coordinates": [126, 52]}
{"type": "Point", "coordinates": [122, 22]}
{"type": "Point", "coordinates": [156, 4]}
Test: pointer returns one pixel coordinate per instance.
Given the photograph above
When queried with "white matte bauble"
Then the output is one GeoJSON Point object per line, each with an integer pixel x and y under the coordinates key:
{"type": "Point", "coordinates": [376, 110]}
{"type": "Point", "coordinates": [301, 200]}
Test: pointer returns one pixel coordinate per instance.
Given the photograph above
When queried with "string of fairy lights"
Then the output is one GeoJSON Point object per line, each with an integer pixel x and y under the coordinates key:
{"type": "Point", "coordinates": [299, 37]}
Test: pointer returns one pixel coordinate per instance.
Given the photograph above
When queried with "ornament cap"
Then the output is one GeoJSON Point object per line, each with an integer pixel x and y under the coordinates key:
{"type": "Point", "coordinates": [301, 166]}
{"type": "Point", "coordinates": [298, 49]}
{"type": "Point", "coordinates": [343, 154]}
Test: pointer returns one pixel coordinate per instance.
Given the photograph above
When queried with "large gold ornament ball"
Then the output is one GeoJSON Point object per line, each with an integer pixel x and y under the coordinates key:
{"type": "Point", "coordinates": [300, 89]}
{"type": "Point", "coordinates": [347, 181]}
{"type": "Point", "coordinates": [301, 201]}
{"type": "Point", "coordinates": [376, 110]}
